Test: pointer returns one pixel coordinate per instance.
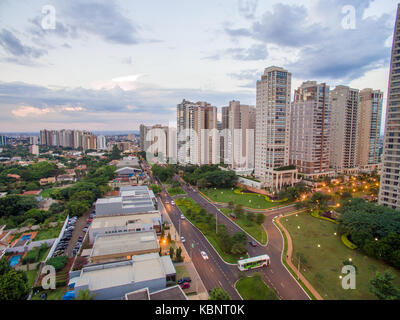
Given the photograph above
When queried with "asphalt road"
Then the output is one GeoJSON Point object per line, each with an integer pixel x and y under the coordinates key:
{"type": "Point", "coordinates": [215, 272]}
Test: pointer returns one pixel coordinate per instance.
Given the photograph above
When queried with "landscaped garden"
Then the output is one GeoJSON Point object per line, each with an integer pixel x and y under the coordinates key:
{"type": "Point", "coordinates": [50, 233]}
{"type": "Point", "coordinates": [254, 288]}
{"type": "Point", "coordinates": [230, 248]}
{"type": "Point", "coordinates": [250, 200]}
{"type": "Point", "coordinates": [251, 223]}
{"type": "Point", "coordinates": [318, 246]}
{"type": "Point", "coordinates": [175, 191]}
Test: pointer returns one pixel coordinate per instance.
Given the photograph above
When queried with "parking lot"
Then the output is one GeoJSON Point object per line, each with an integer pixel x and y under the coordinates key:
{"type": "Point", "coordinates": [77, 233]}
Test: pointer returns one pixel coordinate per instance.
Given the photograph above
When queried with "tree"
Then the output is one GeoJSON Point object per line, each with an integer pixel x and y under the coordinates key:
{"type": "Point", "coordinates": [171, 252]}
{"type": "Point", "coordinates": [178, 253]}
{"type": "Point", "coordinates": [156, 188]}
{"type": "Point", "coordinates": [219, 294]}
{"type": "Point", "coordinates": [4, 266]}
{"type": "Point", "coordinates": [383, 287]}
{"type": "Point", "coordinates": [260, 218]}
{"type": "Point", "coordinates": [115, 153]}
{"type": "Point", "coordinates": [251, 216]}
{"type": "Point", "coordinates": [240, 237]}
{"type": "Point", "coordinates": [85, 295]}
{"type": "Point", "coordinates": [58, 262]}
{"type": "Point", "coordinates": [238, 211]}
{"type": "Point", "coordinates": [77, 208]}
{"type": "Point", "coordinates": [238, 248]}
{"type": "Point", "coordinates": [202, 183]}
{"type": "Point", "coordinates": [13, 285]}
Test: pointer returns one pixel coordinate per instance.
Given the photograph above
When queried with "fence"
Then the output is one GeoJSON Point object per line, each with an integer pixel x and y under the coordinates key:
{"type": "Point", "coordinates": [53, 248]}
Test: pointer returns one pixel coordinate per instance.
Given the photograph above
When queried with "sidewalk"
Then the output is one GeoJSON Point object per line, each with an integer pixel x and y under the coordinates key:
{"type": "Point", "coordinates": [289, 259]}
{"type": "Point", "coordinates": [202, 293]}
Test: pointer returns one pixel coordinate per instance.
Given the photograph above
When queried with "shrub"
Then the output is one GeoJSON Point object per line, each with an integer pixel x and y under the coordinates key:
{"type": "Point", "coordinates": [347, 242]}
{"type": "Point", "coordinates": [58, 262]}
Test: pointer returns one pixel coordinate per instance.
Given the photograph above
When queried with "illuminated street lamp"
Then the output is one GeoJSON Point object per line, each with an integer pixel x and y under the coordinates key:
{"type": "Point", "coordinates": [319, 246]}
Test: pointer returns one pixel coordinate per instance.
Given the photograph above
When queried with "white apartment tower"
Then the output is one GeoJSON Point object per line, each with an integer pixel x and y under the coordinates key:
{"type": "Point", "coordinates": [238, 125]}
{"type": "Point", "coordinates": [390, 190]}
{"type": "Point", "coordinates": [197, 134]}
{"type": "Point", "coordinates": [273, 128]}
{"type": "Point", "coordinates": [344, 128]}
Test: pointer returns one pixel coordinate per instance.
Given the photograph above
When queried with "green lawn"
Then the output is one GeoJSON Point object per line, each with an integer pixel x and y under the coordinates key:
{"type": "Point", "coordinates": [322, 265]}
{"type": "Point", "coordinates": [48, 233]}
{"type": "Point", "coordinates": [175, 191]}
{"type": "Point", "coordinates": [56, 294]}
{"type": "Point", "coordinates": [31, 275]}
{"type": "Point", "coordinates": [254, 288]}
{"type": "Point", "coordinates": [255, 230]}
{"type": "Point", "coordinates": [254, 201]}
{"type": "Point", "coordinates": [208, 232]}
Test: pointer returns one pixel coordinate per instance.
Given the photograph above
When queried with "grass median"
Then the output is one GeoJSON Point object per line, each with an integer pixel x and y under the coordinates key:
{"type": "Point", "coordinates": [254, 288]}
{"type": "Point", "coordinates": [254, 201]}
{"type": "Point", "coordinates": [257, 231]}
{"type": "Point", "coordinates": [206, 224]}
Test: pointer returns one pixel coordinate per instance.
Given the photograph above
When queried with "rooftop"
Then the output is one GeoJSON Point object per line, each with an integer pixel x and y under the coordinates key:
{"type": "Point", "coordinates": [122, 220]}
{"type": "Point", "coordinates": [171, 293]}
{"type": "Point", "coordinates": [141, 268]}
{"type": "Point", "coordinates": [124, 243]}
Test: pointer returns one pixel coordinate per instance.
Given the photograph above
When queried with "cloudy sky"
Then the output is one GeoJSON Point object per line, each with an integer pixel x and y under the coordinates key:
{"type": "Point", "coordinates": [112, 65]}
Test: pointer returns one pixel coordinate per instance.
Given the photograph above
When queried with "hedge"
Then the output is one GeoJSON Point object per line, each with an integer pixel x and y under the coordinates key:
{"type": "Point", "coordinates": [315, 214]}
{"type": "Point", "coordinates": [347, 242]}
{"type": "Point", "coordinates": [240, 191]}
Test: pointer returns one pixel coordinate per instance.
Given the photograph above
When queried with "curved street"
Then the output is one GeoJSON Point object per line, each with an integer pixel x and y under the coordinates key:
{"type": "Point", "coordinates": [217, 273]}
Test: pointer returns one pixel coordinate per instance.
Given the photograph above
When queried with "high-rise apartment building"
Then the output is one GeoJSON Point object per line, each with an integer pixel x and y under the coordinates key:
{"type": "Point", "coordinates": [310, 129]}
{"type": "Point", "coordinates": [344, 128]}
{"type": "Point", "coordinates": [272, 129]}
{"type": "Point", "coordinates": [197, 133]}
{"type": "Point", "coordinates": [101, 143]}
{"type": "Point", "coordinates": [369, 128]}
{"type": "Point", "coordinates": [68, 139]}
{"type": "Point", "coordinates": [34, 149]}
{"type": "Point", "coordinates": [160, 141]}
{"type": "Point", "coordinates": [3, 140]}
{"type": "Point", "coordinates": [390, 190]}
{"type": "Point", "coordinates": [238, 135]}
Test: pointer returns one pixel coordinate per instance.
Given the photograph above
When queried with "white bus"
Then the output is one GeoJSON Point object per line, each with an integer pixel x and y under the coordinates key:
{"type": "Point", "coordinates": [254, 262]}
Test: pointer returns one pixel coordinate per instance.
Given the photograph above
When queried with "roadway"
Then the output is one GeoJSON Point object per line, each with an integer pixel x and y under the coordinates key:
{"type": "Point", "coordinates": [215, 272]}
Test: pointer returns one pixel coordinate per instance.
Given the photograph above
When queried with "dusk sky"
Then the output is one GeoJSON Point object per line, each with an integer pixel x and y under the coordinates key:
{"type": "Point", "coordinates": [112, 65]}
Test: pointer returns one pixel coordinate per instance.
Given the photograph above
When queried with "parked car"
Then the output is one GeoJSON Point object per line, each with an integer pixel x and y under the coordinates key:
{"type": "Point", "coordinates": [185, 285]}
{"type": "Point", "coordinates": [204, 255]}
{"type": "Point", "coordinates": [183, 280]}
{"type": "Point", "coordinates": [253, 243]}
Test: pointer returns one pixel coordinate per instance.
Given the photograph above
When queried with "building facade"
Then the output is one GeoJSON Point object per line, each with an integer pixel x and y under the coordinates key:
{"type": "Point", "coordinates": [390, 191]}
{"type": "Point", "coordinates": [310, 129]}
{"type": "Point", "coordinates": [369, 127]}
{"type": "Point", "coordinates": [344, 128]}
{"type": "Point", "coordinates": [238, 135]}
{"type": "Point", "coordinates": [272, 129]}
{"type": "Point", "coordinates": [197, 133]}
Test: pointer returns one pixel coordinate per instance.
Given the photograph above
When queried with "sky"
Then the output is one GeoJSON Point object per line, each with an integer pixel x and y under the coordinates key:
{"type": "Point", "coordinates": [113, 65]}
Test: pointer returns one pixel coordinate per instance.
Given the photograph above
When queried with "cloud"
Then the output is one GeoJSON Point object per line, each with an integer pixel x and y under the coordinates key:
{"type": "Point", "coordinates": [247, 8]}
{"type": "Point", "coordinates": [254, 53]}
{"type": "Point", "coordinates": [32, 105]}
{"type": "Point", "coordinates": [324, 49]}
{"type": "Point", "coordinates": [18, 52]}
{"type": "Point", "coordinates": [104, 19]}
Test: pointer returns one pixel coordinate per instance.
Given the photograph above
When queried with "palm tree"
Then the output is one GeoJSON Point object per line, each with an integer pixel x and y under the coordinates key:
{"type": "Point", "coordinates": [85, 295]}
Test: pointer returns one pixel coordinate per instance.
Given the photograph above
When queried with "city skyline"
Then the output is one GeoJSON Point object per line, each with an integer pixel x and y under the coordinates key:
{"type": "Point", "coordinates": [144, 72]}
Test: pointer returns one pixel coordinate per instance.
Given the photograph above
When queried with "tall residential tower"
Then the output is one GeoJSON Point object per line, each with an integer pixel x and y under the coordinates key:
{"type": "Point", "coordinates": [390, 190]}
{"type": "Point", "coordinates": [272, 129]}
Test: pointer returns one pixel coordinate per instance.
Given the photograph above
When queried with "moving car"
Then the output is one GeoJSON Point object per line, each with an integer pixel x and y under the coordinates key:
{"type": "Point", "coordinates": [204, 255]}
{"type": "Point", "coordinates": [182, 217]}
{"type": "Point", "coordinates": [183, 240]}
